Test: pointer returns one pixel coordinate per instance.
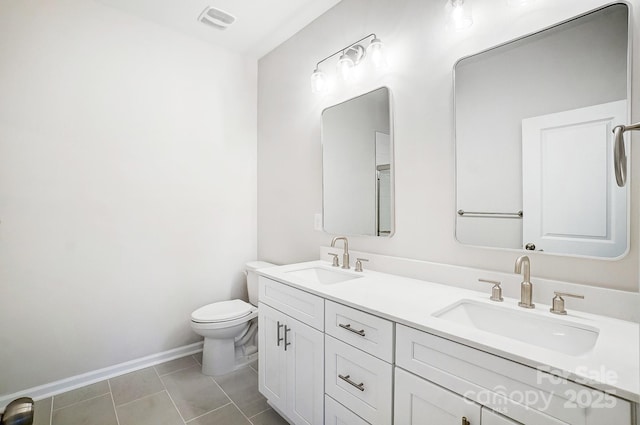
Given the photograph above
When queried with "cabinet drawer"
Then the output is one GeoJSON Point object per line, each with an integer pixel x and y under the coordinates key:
{"type": "Point", "coordinates": [336, 414]}
{"type": "Point", "coordinates": [298, 304]}
{"type": "Point", "coordinates": [359, 381]}
{"type": "Point", "coordinates": [418, 402]}
{"type": "Point", "coordinates": [529, 395]}
{"type": "Point", "coordinates": [362, 330]}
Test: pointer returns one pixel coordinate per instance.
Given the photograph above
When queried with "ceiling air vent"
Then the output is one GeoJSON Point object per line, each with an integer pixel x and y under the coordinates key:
{"type": "Point", "coordinates": [216, 18]}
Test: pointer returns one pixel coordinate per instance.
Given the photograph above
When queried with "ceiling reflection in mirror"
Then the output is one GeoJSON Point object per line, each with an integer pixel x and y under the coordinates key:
{"type": "Point", "coordinates": [357, 166]}
{"type": "Point", "coordinates": [534, 152]}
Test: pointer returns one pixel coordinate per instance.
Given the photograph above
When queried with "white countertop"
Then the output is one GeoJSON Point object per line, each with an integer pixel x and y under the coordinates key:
{"type": "Point", "coordinates": [612, 365]}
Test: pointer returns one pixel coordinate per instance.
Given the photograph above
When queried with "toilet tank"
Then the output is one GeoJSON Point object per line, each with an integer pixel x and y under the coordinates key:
{"type": "Point", "coordinates": [252, 278]}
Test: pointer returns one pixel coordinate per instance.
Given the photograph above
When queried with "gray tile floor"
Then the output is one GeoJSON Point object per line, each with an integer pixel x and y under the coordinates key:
{"type": "Point", "coordinates": [172, 393]}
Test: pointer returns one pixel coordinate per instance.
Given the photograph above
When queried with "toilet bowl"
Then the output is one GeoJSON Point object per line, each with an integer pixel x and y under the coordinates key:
{"type": "Point", "coordinates": [230, 328]}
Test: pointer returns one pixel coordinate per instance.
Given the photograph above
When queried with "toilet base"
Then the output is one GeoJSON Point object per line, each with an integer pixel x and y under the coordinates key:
{"type": "Point", "coordinates": [219, 357]}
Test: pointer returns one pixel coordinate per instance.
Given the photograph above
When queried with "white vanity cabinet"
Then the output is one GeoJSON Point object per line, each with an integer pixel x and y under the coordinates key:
{"type": "Point", "coordinates": [323, 362]}
{"type": "Point", "coordinates": [291, 360]}
{"type": "Point", "coordinates": [358, 364]}
{"type": "Point", "coordinates": [418, 401]}
{"type": "Point", "coordinates": [367, 332]}
{"type": "Point", "coordinates": [336, 414]}
{"type": "Point", "coordinates": [475, 378]}
{"type": "Point", "coordinates": [492, 418]}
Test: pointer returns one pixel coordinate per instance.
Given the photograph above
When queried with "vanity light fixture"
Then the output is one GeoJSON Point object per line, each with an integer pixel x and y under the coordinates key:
{"type": "Point", "coordinates": [376, 50]}
{"type": "Point", "coordinates": [458, 14]}
{"type": "Point", "coordinates": [345, 64]}
{"type": "Point", "coordinates": [350, 57]}
{"type": "Point", "coordinates": [319, 82]}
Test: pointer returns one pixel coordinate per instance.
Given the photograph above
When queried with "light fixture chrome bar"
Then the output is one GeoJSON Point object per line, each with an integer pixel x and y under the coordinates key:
{"type": "Point", "coordinates": [346, 48]}
{"type": "Point", "coordinates": [464, 213]}
{"type": "Point", "coordinates": [619, 154]}
{"type": "Point", "coordinates": [350, 56]}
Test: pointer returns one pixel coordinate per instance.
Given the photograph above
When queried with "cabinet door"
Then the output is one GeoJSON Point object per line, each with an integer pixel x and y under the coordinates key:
{"type": "Point", "coordinates": [305, 373]}
{"type": "Point", "coordinates": [336, 414]}
{"type": "Point", "coordinates": [419, 402]}
{"type": "Point", "coordinates": [271, 360]}
{"type": "Point", "coordinates": [489, 417]}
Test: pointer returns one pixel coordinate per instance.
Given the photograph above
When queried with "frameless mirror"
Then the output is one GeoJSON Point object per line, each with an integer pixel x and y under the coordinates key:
{"type": "Point", "coordinates": [357, 166]}
{"type": "Point", "coordinates": [534, 153]}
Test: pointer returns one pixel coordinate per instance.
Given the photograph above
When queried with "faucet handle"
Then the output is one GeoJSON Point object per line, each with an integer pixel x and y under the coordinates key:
{"type": "Point", "coordinates": [359, 263]}
{"type": "Point", "coordinates": [557, 303]}
{"type": "Point", "coordinates": [496, 291]}
{"type": "Point", "coordinates": [336, 262]}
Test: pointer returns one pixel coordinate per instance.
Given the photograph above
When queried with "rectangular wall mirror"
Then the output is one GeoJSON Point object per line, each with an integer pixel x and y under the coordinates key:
{"type": "Point", "coordinates": [357, 166]}
{"type": "Point", "coordinates": [534, 152]}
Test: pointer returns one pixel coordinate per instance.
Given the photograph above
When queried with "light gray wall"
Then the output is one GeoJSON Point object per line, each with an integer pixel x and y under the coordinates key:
{"type": "Point", "coordinates": [421, 55]}
{"type": "Point", "coordinates": [581, 64]}
{"type": "Point", "coordinates": [127, 187]}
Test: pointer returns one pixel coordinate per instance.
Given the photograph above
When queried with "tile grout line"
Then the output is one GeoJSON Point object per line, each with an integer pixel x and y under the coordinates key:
{"type": "Point", "coordinates": [177, 370]}
{"type": "Point", "coordinates": [260, 413]}
{"type": "Point", "coordinates": [139, 398]}
{"type": "Point", "coordinates": [265, 410]}
{"type": "Point", "coordinates": [78, 402]}
{"type": "Point", "coordinates": [51, 412]}
{"type": "Point", "coordinates": [113, 402]}
{"type": "Point", "coordinates": [232, 402]}
{"type": "Point", "coordinates": [169, 395]}
{"type": "Point", "coordinates": [195, 358]}
{"type": "Point", "coordinates": [210, 411]}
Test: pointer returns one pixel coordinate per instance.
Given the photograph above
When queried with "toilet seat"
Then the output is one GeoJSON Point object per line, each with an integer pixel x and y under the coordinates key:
{"type": "Point", "coordinates": [222, 311]}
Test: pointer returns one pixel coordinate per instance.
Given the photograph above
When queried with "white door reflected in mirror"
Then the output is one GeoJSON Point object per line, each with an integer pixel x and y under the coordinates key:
{"type": "Point", "coordinates": [573, 203]}
{"type": "Point", "coordinates": [556, 196]}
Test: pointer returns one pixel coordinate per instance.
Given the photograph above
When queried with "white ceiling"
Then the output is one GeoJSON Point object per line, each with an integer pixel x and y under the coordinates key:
{"type": "Point", "coordinates": [260, 25]}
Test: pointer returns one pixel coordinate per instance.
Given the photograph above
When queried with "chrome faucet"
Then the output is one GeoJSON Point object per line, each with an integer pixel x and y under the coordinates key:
{"type": "Point", "coordinates": [523, 265]}
{"type": "Point", "coordinates": [345, 255]}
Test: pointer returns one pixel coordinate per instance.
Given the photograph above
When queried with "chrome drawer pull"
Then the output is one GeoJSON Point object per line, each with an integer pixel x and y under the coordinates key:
{"type": "Point", "coordinates": [286, 332]}
{"type": "Point", "coordinates": [346, 379]}
{"type": "Point", "coordinates": [278, 337]}
{"type": "Point", "coordinates": [348, 327]}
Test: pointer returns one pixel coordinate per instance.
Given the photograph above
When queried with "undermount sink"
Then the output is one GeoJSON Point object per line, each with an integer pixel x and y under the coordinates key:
{"type": "Point", "coordinates": [322, 275]}
{"type": "Point", "coordinates": [545, 332]}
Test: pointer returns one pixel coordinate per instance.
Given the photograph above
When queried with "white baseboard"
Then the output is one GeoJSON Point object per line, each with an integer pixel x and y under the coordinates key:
{"type": "Point", "coordinates": [57, 387]}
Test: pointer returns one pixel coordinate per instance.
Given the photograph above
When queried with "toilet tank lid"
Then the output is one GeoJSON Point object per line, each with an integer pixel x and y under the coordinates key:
{"type": "Point", "coordinates": [222, 310]}
{"type": "Point", "coordinates": [255, 265]}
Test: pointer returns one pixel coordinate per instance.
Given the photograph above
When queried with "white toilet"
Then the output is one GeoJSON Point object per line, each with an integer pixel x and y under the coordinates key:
{"type": "Point", "coordinates": [230, 328]}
